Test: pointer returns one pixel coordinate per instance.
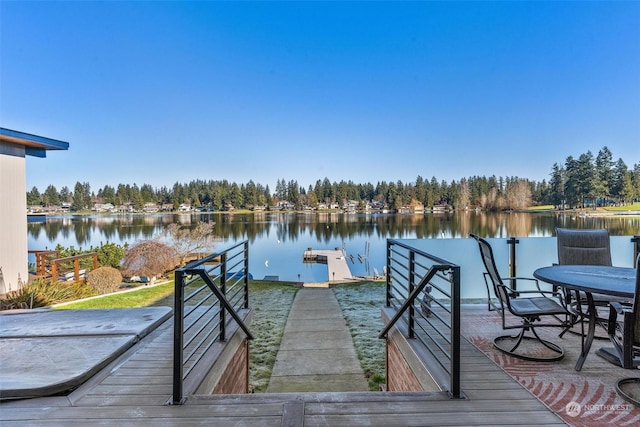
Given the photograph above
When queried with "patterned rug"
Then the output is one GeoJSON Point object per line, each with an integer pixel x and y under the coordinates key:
{"type": "Point", "coordinates": [581, 398]}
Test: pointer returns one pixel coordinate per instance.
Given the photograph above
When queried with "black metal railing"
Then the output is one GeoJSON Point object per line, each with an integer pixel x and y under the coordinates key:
{"type": "Point", "coordinates": [635, 240]}
{"type": "Point", "coordinates": [209, 294]}
{"type": "Point", "coordinates": [424, 291]}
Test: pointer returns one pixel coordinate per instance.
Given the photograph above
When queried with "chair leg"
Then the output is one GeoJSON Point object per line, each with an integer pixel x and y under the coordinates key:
{"type": "Point", "coordinates": [498, 343]}
{"type": "Point", "coordinates": [624, 394]}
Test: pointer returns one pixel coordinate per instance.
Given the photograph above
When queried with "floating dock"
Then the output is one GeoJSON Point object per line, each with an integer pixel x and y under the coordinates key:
{"type": "Point", "coordinates": [336, 263]}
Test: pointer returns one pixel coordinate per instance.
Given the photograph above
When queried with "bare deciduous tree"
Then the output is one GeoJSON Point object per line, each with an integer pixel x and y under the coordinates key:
{"type": "Point", "coordinates": [149, 258]}
{"type": "Point", "coordinates": [519, 194]}
{"type": "Point", "coordinates": [186, 241]}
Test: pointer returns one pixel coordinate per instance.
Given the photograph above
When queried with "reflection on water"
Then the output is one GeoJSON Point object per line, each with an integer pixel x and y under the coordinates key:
{"type": "Point", "coordinates": [278, 240]}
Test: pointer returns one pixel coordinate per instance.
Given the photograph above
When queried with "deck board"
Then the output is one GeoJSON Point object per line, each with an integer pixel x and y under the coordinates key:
{"type": "Point", "coordinates": [134, 389]}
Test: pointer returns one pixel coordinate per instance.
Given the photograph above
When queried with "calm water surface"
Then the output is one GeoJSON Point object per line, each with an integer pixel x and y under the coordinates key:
{"type": "Point", "coordinates": [277, 241]}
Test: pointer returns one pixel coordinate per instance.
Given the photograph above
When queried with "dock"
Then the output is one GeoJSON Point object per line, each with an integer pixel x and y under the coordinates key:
{"type": "Point", "coordinates": [336, 261]}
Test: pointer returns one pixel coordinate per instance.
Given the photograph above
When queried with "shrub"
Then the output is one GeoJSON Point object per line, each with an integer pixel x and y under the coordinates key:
{"type": "Point", "coordinates": [149, 258]}
{"type": "Point", "coordinates": [21, 299]}
{"type": "Point", "coordinates": [104, 279]}
{"type": "Point", "coordinates": [110, 254]}
{"type": "Point", "coordinates": [43, 292]}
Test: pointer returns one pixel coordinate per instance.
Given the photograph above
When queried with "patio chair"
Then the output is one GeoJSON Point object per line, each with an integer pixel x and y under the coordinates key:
{"type": "Point", "coordinates": [528, 305]}
{"type": "Point", "coordinates": [625, 337]}
{"type": "Point", "coordinates": [584, 247]}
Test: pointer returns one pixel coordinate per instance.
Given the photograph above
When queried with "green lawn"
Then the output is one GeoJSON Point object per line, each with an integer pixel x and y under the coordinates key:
{"type": "Point", "coordinates": [141, 297]}
{"type": "Point", "coordinates": [634, 207]}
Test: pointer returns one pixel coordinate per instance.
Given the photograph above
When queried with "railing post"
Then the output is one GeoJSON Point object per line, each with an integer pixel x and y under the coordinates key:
{"type": "Point", "coordinates": [246, 274]}
{"type": "Point", "coordinates": [76, 269]}
{"type": "Point", "coordinates": [54, 271]}
{"type": "Point", "coordinates": [455, 332]}
{"type": "Point", "coordinates": [512, 241]}
{"type": "Point", "coordinates": [388, 276]}
{"type": "Point", "coordinates": [636, 248]}
{"type": "Point", "coordinates": [412, 314]}
{"type": "Point", "coordinates": [178, 339]}
{"type": "Point", "coordinates": [223, 291]}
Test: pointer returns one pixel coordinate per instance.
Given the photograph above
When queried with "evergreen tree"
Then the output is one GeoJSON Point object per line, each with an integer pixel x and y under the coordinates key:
{"type": "Point", "coordinates": [605, 176]}
{"type": "Point", "coordinates": [51, 196]}
{"type": "Point", "coordinates": [34, 197]}
{"type": "Point", "coordinates": [557, 186]}
{"type": "Point", "coordinates": [65, 195]}
{"type": "Point", "coordinates": [81, 196]}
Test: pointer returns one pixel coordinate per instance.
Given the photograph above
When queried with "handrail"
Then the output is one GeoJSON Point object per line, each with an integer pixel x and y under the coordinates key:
{"type": "Point", "coordinates": [43, 258]}
{"type": "Point", "coordinates": [50, 259]}
{"type": "Point", "coordinates": [411, 273]}
{"type": "Point", "coordinates": [201, 324]}
{"type": "Point", "coordinates": [55, 264]}
{"type": "Point", "coordinates": [409, 301]}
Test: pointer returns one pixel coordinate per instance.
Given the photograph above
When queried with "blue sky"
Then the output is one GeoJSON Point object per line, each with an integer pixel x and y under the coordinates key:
{"type": "Point", "coordinates": [163, 92]}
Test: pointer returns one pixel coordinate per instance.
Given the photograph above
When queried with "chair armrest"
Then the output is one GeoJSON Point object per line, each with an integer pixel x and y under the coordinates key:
{"type": "Point", "coordinates": [615, 309]}
{"type": "Point", "coordinates": [531, 279]}
{"type": "Point", "coordinates": [511, 279]}
{"type": "Point", "coordinates": [537, 292]}
{"type": "Point", "coordinates": [619, 309]}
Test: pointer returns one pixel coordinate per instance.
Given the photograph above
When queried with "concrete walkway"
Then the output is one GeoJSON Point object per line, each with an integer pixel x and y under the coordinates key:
{"type": "Point", "coordinates": [316, 353]}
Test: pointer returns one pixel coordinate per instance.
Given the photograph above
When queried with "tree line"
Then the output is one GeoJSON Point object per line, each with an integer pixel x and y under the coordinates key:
{"type": "Point", "coordinates": [587, 180]}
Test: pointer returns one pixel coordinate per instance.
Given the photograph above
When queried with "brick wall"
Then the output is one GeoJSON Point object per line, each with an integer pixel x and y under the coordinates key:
{"type": "Point", "coordinates": [235, 379]}
{"type": "Point", "coordinates": [400, 376]}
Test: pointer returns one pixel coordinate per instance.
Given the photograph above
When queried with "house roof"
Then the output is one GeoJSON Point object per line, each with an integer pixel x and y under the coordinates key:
{"type": "Point", "coordinates": [35, 145]}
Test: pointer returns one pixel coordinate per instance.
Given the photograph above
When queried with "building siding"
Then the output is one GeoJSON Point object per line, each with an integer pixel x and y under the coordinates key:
{"type": "Point", "coordinates": [13, 222]}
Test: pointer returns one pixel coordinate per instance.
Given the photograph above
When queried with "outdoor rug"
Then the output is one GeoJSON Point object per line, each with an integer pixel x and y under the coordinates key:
{"type": "Point", "coordinates": [581, 398]}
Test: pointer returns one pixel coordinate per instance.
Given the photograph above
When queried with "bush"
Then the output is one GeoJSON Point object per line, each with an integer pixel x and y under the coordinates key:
{"type": "Point", "coordinates": [104, 279]}
{"type": "Point", "coordinates": [43, 292]}
{"type": "Point", "coordinates": [110, 254]}
{"type": "Point", "coordinates": [149, 258]}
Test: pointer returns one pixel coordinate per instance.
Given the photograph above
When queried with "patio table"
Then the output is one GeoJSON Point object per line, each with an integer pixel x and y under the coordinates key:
{"type": "Point", "coordinates": [590, 279]}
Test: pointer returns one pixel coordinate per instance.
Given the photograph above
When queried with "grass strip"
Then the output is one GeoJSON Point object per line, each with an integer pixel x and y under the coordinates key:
{"type": "Point", "coordinates": [138, 297]}
{"type": "Point", "coordinates": [361, 304]}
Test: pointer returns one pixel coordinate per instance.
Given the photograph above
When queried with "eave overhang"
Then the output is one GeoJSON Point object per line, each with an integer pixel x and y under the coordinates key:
{"type": "Point", "coordinates": [36, 146]}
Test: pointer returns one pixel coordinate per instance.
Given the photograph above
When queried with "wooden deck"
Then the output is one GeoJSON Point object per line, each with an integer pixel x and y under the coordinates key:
{"type": "Point", "coordinates": [135, 388]}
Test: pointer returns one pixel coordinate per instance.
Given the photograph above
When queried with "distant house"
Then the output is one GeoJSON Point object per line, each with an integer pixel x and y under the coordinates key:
{"type": "Point", "coordinates": [126, 208]}
{"type": "Point", "coordinates": [104, 207]}
{"type": "Point", "coordinates": [284, 205]}
{"type": "Point", "coordinates": [150, 207]}
{"type": "Point", "coordinates": [417, 208]}
{"type": "Point", "coordinates": [15, 146]}
{"type": "Point", "coordinates": [350, 206]}
{"type": "Point", "coordinates": [184, 208]}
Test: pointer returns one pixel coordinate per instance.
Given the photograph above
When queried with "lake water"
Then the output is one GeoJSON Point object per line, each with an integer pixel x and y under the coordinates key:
{"type": "Point", "coordinates": [277, 241]}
